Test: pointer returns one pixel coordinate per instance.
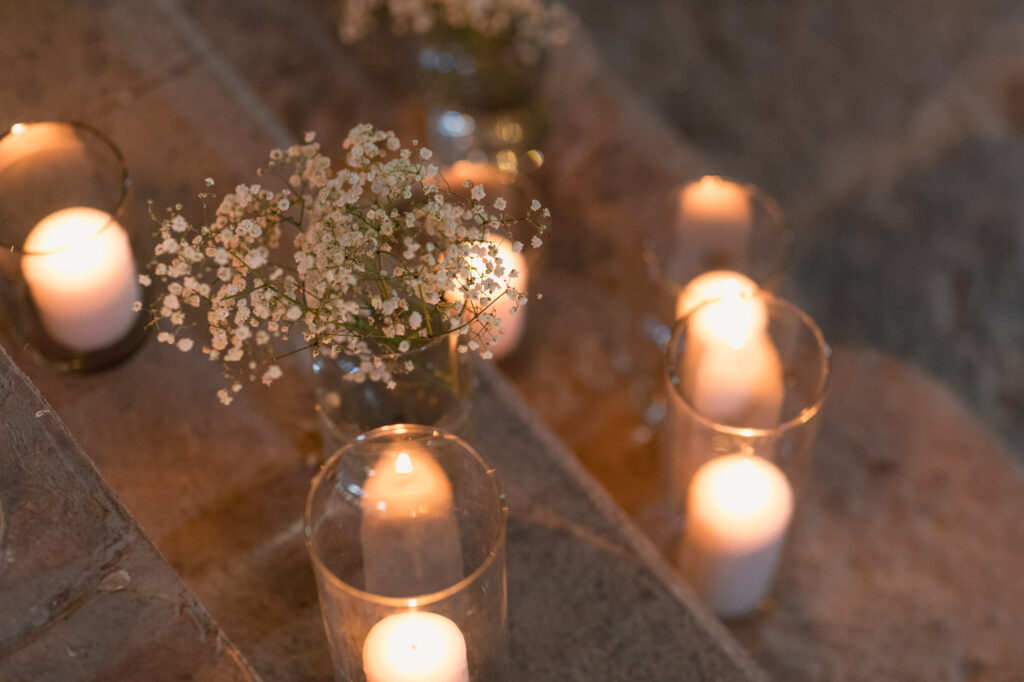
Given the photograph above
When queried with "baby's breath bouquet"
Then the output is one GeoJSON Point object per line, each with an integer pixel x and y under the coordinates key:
{"type": "Point", "coordinates": [371, 261]}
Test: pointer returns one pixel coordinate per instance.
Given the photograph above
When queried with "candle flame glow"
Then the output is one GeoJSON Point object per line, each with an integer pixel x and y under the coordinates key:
{"type": "Point", "coordinates": [743, 489]}
{"type": "Point", "coordinates": [18, 128]}
{"type": "Point", "coordinates": [733, 319]}
{"type": "Point", "coordinates": [403, 465]}
{"type": "Point", "coordinates": [712, 285]}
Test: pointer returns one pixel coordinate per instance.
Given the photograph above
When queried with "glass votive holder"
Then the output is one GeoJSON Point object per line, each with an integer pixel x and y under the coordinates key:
{"type": "Point", "coordinates": [714, 223]}
{"type": "Point", "coordinates": [70, 279]}
{"type": "Point", "coordinates": [747, 376]}
{"type": "Point", "coordinates": [711, 226]}
{"type": "Point", "coordinates": [406, 529]}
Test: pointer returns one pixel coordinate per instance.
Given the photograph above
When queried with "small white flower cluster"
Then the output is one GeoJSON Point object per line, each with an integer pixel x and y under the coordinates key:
{"type": "Point", "coordinates": [529, 24]}
{"type": "Point", "coordinates": [385, 258]}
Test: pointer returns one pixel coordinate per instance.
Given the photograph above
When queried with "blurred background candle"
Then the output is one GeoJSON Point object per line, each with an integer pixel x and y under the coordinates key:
{"type": "Point", "coordinates": [409, 534]}
{"type": "Point", "coordinates": [41, 143]}
{"type": "Point", "coordinates": [715, 204]}
{"type": "Point", "coordinates": [505, 307]}
{"type": "Point", "coordinates": [513, 323]}
{"type": "Point", "coordinates": [498, 183]}
{"type": "Point", "coordinates": [731, 365]}
{"type": "Point", "coordinates": [82, 278]}
{"type": "Point", "coordinates": [714, 223]}
{"type": "Point", "coordinates": [740, 385]}
{"type": "Point", "coordinates": [738, 510]}
{"type": "Point", "coordinates": [494, 180]}
{"type": "Point", "coordinates": [712, 285]}
{"type": "Point", "coordinates": [415, 647]}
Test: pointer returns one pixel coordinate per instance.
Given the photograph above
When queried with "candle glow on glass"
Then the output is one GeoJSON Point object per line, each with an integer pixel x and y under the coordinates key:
{"type": "Point", "coordinates": [415, 647]}
{"type": "Point", "coordinates": [738, 511]}
{"type": "Point", "coordinates": [81, 274]}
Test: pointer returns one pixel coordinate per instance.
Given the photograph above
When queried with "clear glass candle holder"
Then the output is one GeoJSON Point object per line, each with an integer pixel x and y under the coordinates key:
{"type": "Point", "coordinates": [710, 225]}
{"type": "Point", "coordinates": [70, 275]}
{"type": "Point", "coordinates": [479, 101]}
{"type": "Point", "coordinates": [406, 530]}
{"type": "Point", "coordinates": [713, 223]}
{"type": "Point", "coordinates": [747, 376]}
{"type": "Point", "coordinates": [717, 223]}
{"type": "Point", "coordinates": [433, 387]}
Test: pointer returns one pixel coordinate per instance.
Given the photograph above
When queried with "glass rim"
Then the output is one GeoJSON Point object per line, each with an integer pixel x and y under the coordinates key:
{"type": "Point", "coordinates": [105, 140]}
{"type": "Point", "coordinates": [431, 597]}
{"type": "Point", "coordinates": [806, 414]}
{"type": "Point", "coordinates": [759, 197]}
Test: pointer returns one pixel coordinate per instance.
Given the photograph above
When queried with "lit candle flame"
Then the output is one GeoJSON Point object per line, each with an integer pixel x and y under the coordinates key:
{"type": "Point", "coordinates": [744, 491]}
{"type": "Point", "coordinates": [403, 465]}
{"type": "Point", "coordinates": [732, 318]}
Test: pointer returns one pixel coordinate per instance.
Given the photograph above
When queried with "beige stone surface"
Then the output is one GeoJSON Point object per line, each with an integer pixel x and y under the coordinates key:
{"type": "Point", "coordinates": [221, 491]}
{"type": "Point", "coordinates": [84, 594]}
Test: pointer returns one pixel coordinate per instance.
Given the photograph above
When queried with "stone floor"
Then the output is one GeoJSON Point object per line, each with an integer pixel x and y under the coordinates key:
{"type": "Point", "coordinates": [892, 134]}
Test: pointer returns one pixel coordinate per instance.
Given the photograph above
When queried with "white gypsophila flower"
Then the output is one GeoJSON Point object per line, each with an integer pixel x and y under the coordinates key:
{"type": "Point", "coordinates": [272, 372]}
{"type": "Point", "coordinates": [366, 261]}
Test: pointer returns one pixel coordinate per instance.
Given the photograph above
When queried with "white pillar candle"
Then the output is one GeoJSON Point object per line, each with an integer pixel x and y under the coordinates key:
{"type": "Point", "coordinates": [714, 220]}
{"type": "Point", "coordinates": [415, 647]}
{"type": "Point", "coordinates": [513, 324]}
{"type": "Point", "coordinates": [740, 386]}
{"type": "Point", "coordinates": [494, 180]}
{"type": "Point", "coordinates": [409, 534]}
{"type": "Point", "coordinates": [715, 204]}
{"type": "Point", "coordinates": [712, 285]}
{"type": "Point", "coordinates": [496, 184]}
{"type": "Point", "coordinates": [81, 274]}
{"type": "Point", "coordinates": [731, 370]}
{"type": "Point", "coordinates": [39, 144]}
{"type": "Point", "coordinates": [738, 510]}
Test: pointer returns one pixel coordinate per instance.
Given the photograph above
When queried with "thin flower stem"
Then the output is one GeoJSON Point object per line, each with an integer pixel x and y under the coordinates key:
{"type": "Point", "coordinates": [293, 352]}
